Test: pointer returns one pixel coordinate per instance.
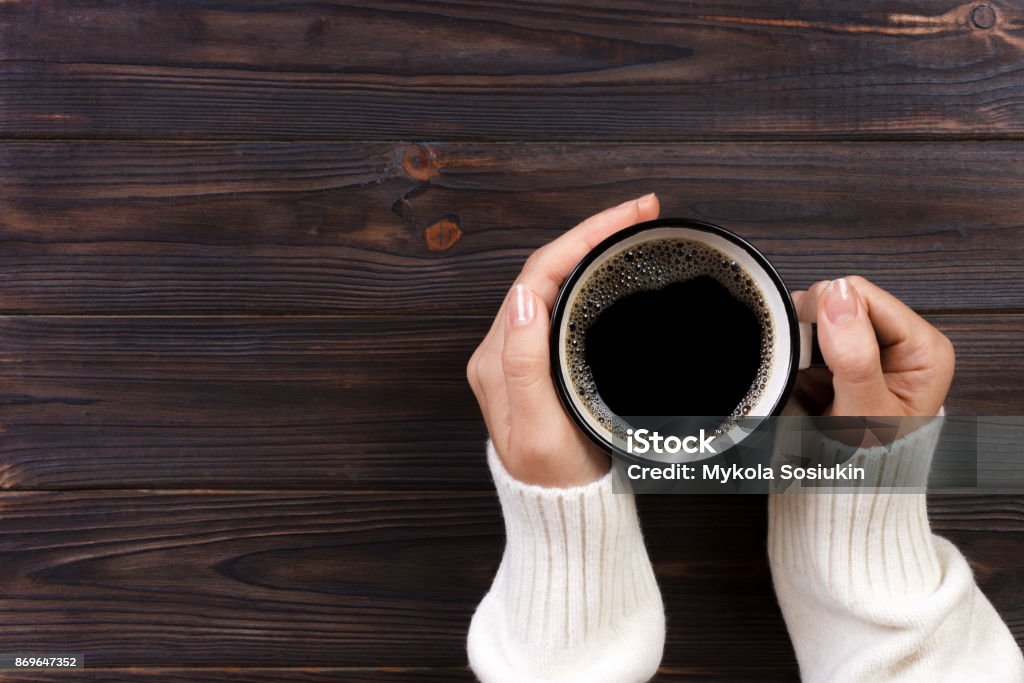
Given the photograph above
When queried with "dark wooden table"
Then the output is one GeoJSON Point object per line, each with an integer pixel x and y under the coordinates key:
{"type": "Point", "coordinates": [247, 249]}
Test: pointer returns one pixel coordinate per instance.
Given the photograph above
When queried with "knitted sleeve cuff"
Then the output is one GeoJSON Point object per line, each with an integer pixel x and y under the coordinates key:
{"type": "Point", "coordinates": [861, 545]}
{"type": "Point", "coordinates": [575, 597]}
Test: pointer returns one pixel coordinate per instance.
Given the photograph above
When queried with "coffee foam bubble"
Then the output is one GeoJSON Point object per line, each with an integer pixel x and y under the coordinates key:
{"type": "Point", "coordinates": [652, 266]}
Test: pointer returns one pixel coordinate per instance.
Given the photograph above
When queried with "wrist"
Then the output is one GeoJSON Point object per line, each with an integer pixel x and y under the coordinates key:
{"type": "Point", "coordinates": [862, 543]}
{"type": "Point", "coordinates": [576, 464]}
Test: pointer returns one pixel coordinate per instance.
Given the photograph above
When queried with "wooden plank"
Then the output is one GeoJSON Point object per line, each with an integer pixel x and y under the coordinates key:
{"type": "Point", "coordinates": [322, 402]}
{"type": "Point", "coordinates": [510, 71]}
{"type": "Point", "coordinates": [243, 675]}
{"type": "Point", "coordinates": [722, 673]}
{"type": "Point", "coordinates": [171, 579]}
{"type": "Point", "coordinates": [326, 579]}
{"type": "Point", "coordinates": [239, 402]}
{"type": "Point", "coordinates": [117, 228]}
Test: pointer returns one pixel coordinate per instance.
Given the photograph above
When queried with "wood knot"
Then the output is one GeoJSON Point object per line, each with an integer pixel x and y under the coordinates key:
{"type": "Point", "coordinates": [983, 16]}
{"type": "Point", "coordinates": [442, 234]}
{"type": "Point", "coordinates": [420, 163]}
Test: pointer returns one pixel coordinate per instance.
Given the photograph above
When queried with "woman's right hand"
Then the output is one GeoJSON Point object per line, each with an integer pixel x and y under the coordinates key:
{"type": "Point", "coordinates": [510, 372]}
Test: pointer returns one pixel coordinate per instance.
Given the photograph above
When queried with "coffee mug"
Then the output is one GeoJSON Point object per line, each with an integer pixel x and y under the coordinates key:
{"type": "Point", "coordinates": [675, 318]}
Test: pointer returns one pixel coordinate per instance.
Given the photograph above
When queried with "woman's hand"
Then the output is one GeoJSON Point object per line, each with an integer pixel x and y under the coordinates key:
{"type": "Point", "coordinates": [510, 372]}
{"type": "Point", "coordinates": [883, 359]}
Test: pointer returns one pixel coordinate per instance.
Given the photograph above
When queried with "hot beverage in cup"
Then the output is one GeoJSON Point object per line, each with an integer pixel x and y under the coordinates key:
{"type": "Point", "coordinates": [673, 318]}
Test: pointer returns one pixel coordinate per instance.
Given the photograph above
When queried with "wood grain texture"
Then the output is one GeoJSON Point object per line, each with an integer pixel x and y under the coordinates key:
{"type": "Point", "coordinates": [323, 402]}
{"type": "Point", "coordinates": [115, 228]}
{"type": "Point", "coordinates": [511, 70]}
{"type": "Point", "coordinates": [327, 579]}
{"type": "Point", "coordinates": [247, 248]}
{"type": "Point", "coordinates": [267, 674]}
{"type": "Point", "coordinates": [157, 578]}
{"type": "Point", "coordinates": [719, 674]}
{"type": "Point", "coordinates": [239, 402]}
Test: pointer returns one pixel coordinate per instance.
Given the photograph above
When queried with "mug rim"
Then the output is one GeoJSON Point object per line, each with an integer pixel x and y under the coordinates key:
{"type": "Point", "coordinates": [562, 387]}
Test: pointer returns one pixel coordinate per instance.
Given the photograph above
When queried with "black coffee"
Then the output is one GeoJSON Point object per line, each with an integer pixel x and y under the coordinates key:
{"type": "Point", "coordinates": [671, 327]}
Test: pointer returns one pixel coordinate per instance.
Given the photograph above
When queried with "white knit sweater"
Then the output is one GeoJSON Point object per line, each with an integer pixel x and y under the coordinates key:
{"type": "Point", "coordinates": [867, 591]}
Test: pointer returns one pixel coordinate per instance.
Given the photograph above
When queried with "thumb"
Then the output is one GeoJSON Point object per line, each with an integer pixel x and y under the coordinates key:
{"type": "Point", "coordinates": [532, 401]}
{"type": "Point", "coordinates": [850, 349]}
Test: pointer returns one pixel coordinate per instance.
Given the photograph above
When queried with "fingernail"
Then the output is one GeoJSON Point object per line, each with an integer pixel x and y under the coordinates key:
{"type": "Point", "coordinates": [646, 202]}
{"type": "Point", "coordinates": [840, 301]}
{"type": "Point", "coordinates": [818, 288]}
{"type": "Point", "coordinates": [522, 309]}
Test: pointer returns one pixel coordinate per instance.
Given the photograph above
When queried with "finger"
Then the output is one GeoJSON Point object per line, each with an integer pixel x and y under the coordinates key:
{"type": "Point", "coordinates": [813, 387]}
{"type": "Point", "coordinates": [548, 267]}
{"type": "Point", "coordinates": [918, 359]}
{"type": "Point", "coordinates": [532, 402]}
{"type": "Point", "coordinates": [807, 302]}
{"type": "Point", "coordinates": [589, 233]}
{"type": "Point", "coordinates": [495, 337]}
{"type": "Point", "coordinates": [894, 322]}
{"type": "Point", "coordinates": [851, 351]}
{"type": "Point", "coordinates": [488, 378]}
{"type": "Point", "coordinates": [489, 371]}
{"type": "Point", "coordinates": [497, 328]}
{"type": "Point", "coordinates": [572, 246]}
{"type": "Point", "coordinates": [479, 373]}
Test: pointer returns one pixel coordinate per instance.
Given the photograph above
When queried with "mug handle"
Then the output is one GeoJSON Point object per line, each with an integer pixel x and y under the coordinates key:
{"type": "Point", "coordinates": [810, 352]}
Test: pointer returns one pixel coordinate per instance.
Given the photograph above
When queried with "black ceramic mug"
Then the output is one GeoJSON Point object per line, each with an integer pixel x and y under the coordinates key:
{"type": "Point", "coordinates": [697, 249]}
